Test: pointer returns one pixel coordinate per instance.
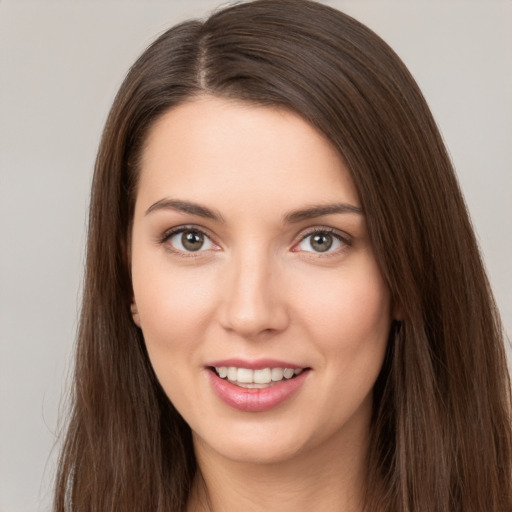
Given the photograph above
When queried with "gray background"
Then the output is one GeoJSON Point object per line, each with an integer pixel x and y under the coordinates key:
{"type": "Point", "coordinates": [60, 66]}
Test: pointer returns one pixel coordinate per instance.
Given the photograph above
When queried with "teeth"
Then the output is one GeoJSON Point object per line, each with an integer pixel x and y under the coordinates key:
{"type": "Point", "coordinates": [263, 376]}
{"type": "Point", "coordinates": [256, 378]}
{"type": "Point", "coordinates": [232, 373]}
{"type": "Point", "coordinates": [288, 373]}
{"type": "Point", "coordinates": [277, 374]}
{"type": "Point", "coordinates": [244, 375]}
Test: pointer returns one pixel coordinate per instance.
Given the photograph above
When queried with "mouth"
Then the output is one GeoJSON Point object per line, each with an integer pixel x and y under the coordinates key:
{"type": "Point", "coordinates": [257, 378]}
{"type": "Point", "coordinates": [257, 385]}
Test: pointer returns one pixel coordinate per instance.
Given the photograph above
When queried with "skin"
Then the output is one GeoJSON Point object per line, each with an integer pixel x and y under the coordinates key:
{"type": "Point", "coordinates": [258, 288]}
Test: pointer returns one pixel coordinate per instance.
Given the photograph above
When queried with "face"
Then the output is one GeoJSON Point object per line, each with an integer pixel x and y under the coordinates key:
{"type": "Point", "coordinates": [259, 297]}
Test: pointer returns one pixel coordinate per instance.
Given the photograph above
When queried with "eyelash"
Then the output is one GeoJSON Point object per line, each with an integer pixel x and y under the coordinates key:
{"type": "Point", "coordinates": [344, 239]}
{"type": "Point", "coordinates": [183, 229]}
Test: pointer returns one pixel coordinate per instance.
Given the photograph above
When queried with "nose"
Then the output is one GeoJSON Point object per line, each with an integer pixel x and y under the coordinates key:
{"type": "Point", "coordinates": [253, 303]}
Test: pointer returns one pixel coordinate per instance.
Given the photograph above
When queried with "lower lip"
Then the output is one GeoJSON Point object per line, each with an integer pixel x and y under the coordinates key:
{"type": "Point", "coordinates": [255, 399]}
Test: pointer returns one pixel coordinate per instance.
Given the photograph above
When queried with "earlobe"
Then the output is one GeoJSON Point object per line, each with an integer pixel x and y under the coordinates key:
{"type": "Point", "coordinates": [135, 313]}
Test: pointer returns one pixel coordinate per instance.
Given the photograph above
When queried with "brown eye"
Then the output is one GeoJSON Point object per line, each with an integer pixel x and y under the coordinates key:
{"type": "Point", "coordinates": [321, 242]}
{"type": "Point", "coordinates": [189, 240]}
{"type": "Point", "coordinates": [192, 240]}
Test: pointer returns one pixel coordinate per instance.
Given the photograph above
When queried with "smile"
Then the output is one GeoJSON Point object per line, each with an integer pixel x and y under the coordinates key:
{"type": "Point", "coordinates": [260, 378]}
{"type": "Point", "coordinates": [256, 386]}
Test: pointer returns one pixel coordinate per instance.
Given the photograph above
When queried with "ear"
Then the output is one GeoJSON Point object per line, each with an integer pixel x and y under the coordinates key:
{"type": "Point", "coordinates": [135, 313]}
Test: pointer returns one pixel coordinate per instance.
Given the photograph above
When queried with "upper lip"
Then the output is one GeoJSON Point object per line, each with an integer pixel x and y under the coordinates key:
{"type": "Point", "coordinates": [256, 364]}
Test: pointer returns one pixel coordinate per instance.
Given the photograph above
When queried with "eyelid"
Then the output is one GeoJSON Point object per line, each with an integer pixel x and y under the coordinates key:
{"type": "Point", "coordinates": [341, 236]}
{"type": "Point", "coordinates": [169, 233]}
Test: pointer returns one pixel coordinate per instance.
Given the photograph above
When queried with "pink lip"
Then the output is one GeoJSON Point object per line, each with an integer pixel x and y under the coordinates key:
{"type": "Point", "coordinates": [255, 399]}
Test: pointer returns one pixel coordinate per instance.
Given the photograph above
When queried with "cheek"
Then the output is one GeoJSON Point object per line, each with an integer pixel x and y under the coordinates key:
{"type": "Point", "coordinates": [348, 320]}
{"type": "Point", "coordinates": [174, 311]}
{"type": "Point", "coordinates": [349, 309]}
{"type": "Point", "coordinates": [173, 304]}
{"type": "Point", "coordinates": [349, 327]}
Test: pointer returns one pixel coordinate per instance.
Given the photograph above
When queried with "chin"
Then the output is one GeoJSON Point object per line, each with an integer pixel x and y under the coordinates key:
{"type": "Point", "coordinates": [256, 445]}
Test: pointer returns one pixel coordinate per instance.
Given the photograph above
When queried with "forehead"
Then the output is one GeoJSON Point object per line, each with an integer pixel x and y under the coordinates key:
{"type": "Point", "coordinates": [212, 149]}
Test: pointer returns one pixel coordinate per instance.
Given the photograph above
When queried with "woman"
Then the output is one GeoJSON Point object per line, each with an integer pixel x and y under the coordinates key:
{"type": "Point", "coordinates": [284, 303]}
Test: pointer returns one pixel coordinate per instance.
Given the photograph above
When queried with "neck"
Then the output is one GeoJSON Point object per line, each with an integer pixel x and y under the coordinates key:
{"type": "Point", "coordinates": [323, 478]}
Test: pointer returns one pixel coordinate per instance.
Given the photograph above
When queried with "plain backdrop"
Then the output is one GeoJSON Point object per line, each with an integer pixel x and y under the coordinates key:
{"type": "Point", "coordinates": [60, 66]}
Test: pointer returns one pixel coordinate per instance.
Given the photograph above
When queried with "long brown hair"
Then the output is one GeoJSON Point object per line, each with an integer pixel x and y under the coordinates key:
{"type": "Point", "coordinates": [441, 430]}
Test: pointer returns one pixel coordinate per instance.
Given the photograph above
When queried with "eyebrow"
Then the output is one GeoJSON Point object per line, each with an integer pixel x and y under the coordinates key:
{"type": "Point", "coordinates": [290, 218]}
{"type": "Point", "coordinates": [185, 207]}
{"type": "Point", "coordinates": [319, 210]}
